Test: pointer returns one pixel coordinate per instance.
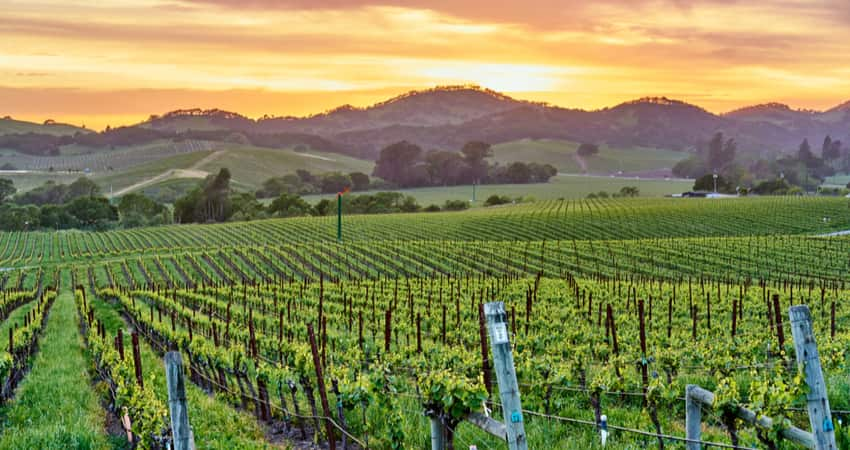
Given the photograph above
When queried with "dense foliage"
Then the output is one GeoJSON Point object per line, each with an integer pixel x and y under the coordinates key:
{"type": "Point", "coordinates": [406, 165]}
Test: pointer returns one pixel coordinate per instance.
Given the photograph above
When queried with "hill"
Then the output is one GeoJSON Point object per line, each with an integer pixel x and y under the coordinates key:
{"type": "Point", "coordinates": [9, 125]}
{"type": "Point", "coordinates": [440, 118]}
{"type": "Point", "coordinates": [448, 117]}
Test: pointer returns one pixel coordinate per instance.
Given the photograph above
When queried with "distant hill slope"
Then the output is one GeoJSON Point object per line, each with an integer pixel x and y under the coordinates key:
{"type": "Point", "coordinates": [9, 125]}
{"type": "Point", "coordinates": [448, 117]}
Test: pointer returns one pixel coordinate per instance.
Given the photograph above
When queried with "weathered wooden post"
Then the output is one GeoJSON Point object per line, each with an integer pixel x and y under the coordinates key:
{"type": "Point", "coordinates": [320, 382]}
{"type": "Point", "coordinates": [137, 360]}
{"type": "Point", "coordinates": [503, 360]}
{"type": "Point", "coordinates": [807, 356]}
{"type": "Point", "coordinates": [180, 430]}
{"type": "Point", "coordinates": [693, 419]}
{"type": "Point", "coordinates": [438, 434]}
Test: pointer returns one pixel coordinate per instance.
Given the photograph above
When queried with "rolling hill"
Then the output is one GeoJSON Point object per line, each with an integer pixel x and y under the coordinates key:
{"type": "Point", "coordinates": [9, 125]}
{"type": "Point", "coordinates": [448, 117]}
{"type": "Point", "coordinates": [644, 136]}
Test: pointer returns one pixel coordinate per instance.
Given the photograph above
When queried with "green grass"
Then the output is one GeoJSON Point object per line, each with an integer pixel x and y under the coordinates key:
{"type": "Point", "coordinates": [56, 407]}
{"type": "Point", "coordinates": [15, 317]}
{"type": "Point", "coordinates": [839, 180]}
{"type": "Point", "coordinates": [562, 186]}
{"type": "Point", "coordinates": [27, 181]}
{"type": "Point", "coordinates": [215, 424]}
{"type": "Point", "coordinates": [561, 154]}
{"type": "Point", "coordinates": [122, 179]}
{"type": "Point", "coordinates": [249, 166]}
{"type": "Point", "coordinates": [11, 126]}
{"type": "Point", "coordinates": [253, 165]}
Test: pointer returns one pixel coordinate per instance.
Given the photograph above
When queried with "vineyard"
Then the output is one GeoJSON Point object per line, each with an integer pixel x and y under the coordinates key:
{"type": "Point", "coordinates": [116, 159]}
{"type": "Point", "coordinates": [292, 339]}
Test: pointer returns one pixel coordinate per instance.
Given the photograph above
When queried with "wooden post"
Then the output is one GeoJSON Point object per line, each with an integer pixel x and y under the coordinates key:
{"type": "Point", "coordinates": [438, 434]}
{"type": "Point", "coordinates": [180, 429]}
{"type": "Point", "coordinates": [137, 360]}
{"type": "Point", "coordinates": [485, 360]}
{"type": "Point", "coordinates": [320, 381]}
{"type": "Point", "coordinates": [506, 375]}
{"type": "Point", "coordinates": [806, 350]}
{"type": "Point", "coordinates": [693, 419]}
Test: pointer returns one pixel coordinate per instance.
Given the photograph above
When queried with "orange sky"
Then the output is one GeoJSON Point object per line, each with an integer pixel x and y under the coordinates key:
{"type": "Point", "coordinates": [117, 61]}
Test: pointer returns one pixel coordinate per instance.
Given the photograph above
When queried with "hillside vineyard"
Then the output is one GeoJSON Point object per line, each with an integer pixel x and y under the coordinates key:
{"type": "Point", "coordinates": [612, 306]}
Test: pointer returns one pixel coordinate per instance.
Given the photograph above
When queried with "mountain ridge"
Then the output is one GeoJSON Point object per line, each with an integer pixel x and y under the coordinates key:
{"type": "Point", "coordinates": [448, 116]}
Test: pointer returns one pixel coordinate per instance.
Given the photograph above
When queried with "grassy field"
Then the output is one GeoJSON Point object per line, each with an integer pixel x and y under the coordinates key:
{"type": "Point", "coordinates": [253, 165]}
{"type": "Point", "coordinates": [562, 186]}
{"type": "Point", "coordinates": [56, 408]}
{"type": "Point", "coordinates": [27, 181]}
{"type": "Point", "coordinates": [10, 126]}
{"type": "Point", "coordinates": [122, 179]}
{"type": "Point", "coordinates": [562, 155]}
{"type": "Point", "coordinates": [249, 166]}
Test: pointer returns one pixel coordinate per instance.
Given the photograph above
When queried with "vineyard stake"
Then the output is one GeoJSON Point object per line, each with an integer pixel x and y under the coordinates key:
{"type": "Point", "coordinates": [137, 360]}
{"type": "Point", "coordinates": [182, 432]}
{"type": "Point", "coordinates": [806, 350]}
{"type": "Point", "coordinates": [320, 382]}
{"type": "Point", "coordinates": [506, 375]}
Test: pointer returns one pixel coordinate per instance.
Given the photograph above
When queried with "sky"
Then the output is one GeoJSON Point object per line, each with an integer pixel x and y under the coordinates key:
{"type": "Point", "coordinates": [115, 62]}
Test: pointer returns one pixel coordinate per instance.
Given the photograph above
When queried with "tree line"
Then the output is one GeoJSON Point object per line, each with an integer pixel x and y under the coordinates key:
{"type": "Point", "coordinates": [797, 171]}
{"type": "Point", "coordinates": [40, 144]}
{"type": "Point", "coordinates": [214, 200]}
{"type": "Point", "coordinates": [78, 205]}
{"type": "Point", "coordinates": [406, 165]}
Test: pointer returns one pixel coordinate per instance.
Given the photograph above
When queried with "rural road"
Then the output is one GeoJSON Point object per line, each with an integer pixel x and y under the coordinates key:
{"type": "Point", "coordinates": [192, 172]}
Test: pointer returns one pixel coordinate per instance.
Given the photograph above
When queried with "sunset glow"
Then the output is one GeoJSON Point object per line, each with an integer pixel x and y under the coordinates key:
{"type": "Point", "coordinates": [116, 62]}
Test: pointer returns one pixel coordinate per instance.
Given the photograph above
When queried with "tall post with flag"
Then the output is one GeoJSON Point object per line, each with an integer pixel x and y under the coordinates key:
{"type": "Point", "coordinates": [339, 212]}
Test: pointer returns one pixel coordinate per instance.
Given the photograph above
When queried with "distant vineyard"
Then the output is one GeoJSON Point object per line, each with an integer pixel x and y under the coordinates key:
{"type": "Point", "coordinates": [550, 221]}
{"type": "Point", "coordinates": [105, 161]}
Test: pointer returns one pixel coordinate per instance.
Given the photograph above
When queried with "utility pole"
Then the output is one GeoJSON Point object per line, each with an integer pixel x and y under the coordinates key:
{"type": "Point", "coordinates": [339, 212]}
{"type": "Point", "coordinates": [503, 362]}
{"type": "Point", "coordinates": [339, 217]}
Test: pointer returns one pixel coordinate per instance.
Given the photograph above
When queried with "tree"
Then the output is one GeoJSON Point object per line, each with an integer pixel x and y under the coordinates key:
{"type": "Point", "coordinates": [446, 168]}
{"type": "Point", "coordinates": [323, 207]}
{"type": "Point", "coordinates": [541, 173]}
{"type": "Point", "coordinates": [137, 210]}
{"type": "Point", "coordinates": [629, 191]}
{"type": "Point", "coordinates": [305, 176]}
{"type": "Point", "coordinates": [289, 205]}
{"type": "Point", "coordinates": [334, 182]}
{"type": "Point", "coordinates": [586, 149]}
{"type": "Point", "coordinates": [7, 189]}
{"type": "Point", "coordinates": [495, 200]}
{"type": "Point", "coordinates": [396, 164]}
{"type": "Point", "coordinates": [720, 152]}
{"type": "Point", "coordinates": [82, 187]}
{"type": "Point", "coordinates": [359, 181]}
{"type": "Point", "coordinates": [706, 183]}
{"type": "Point", "coordinates": [518, 172]}
{"type": "Point", "coordinates": [831, 149]}
{"type": "Point", "coordinates": [92, 212]}
{"type": "Point", "coordinates": [455, 205]}
{"type": "Point", "coordinates": [246, 207]}
{"type": "Point", "coordinates": [209, 202]}
{"type": "Point", "coordinates": [805, 155]}
{"type": "Point", "coordinates": [474, 153]}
